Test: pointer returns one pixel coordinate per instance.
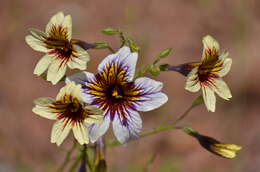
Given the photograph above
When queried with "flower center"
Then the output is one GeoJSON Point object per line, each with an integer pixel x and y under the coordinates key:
{"type": "Point", "coordinates": [69, 109]}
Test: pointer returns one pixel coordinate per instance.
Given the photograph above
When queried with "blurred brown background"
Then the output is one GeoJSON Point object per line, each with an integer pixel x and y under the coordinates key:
{"type": "Point", "coordinates": [155, 25]}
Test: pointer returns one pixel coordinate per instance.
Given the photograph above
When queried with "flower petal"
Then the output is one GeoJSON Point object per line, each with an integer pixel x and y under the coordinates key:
{"type": "Point", "coordinates": [42, 108]}
{"type": "Point", "coordinates": [152, 97]}
{"type": "Point", "coordinates": [36, 44]}
{"type": "Point", "coordinates": [80, 133]}
{"type": "Point", "coordinates": [43, 64]}
{"type": "Point", "coordinates": [98, 130]}
{"type": "Point", "coordinates": [57, 19]}
{"type": "Point", "coordinates": [83, 78]}
{"type": "Point", "coordinates": [60, 20]}
{"type": "Point", "coordinates": [209, 43]}
{"type": "Point", "coordinates": [70, 89]}
{"type": "Point", "coordinates": [96, 115]}
{"type": "Point", "coordinates": [59, 132]}
{"type": "Point", "coordinates": [131, 130]}
{"type": "Point", "coordinates": [221, 88]}
{"type": "Point", "coordinates": [209, 98]}
{"type": "Point", "coordinates": [225, 68]}
{"type": "Point", "coordinates": [124, 57]}
{"type": "Point", "coordinates": [79, 59]}
{"type": "Point", "coordinates": [192, 83]}
{"type": "Point", "coordinates": [56, 71]}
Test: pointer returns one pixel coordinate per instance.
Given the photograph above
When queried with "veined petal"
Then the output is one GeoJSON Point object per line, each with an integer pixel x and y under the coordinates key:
{"type": "Point", "coordinates": [130, 130]}
{"type": "Point", "coordinates": [60, 131]}
{"type": "Point", "coordinates": [209, 43]}
{"type": "Point", "coordinates": [57, 20]}
{"type": "Point", "coordinates": [80, 133]}
{"type": "Point", "coordinates": [56, 71]}
{"type": "Point", "coordinates": [209, 98]}
{"type": "Point", "coordinates": [123, 57]}
{"type": "Point", "coordinates": [221, 88]}
{"type": "Point", "coordinates": [43, 64]}
{"type": "Point", "coordinates": [42, 108]}
{"type": "Point", "coordinates": [192, 83]}
{"type": "Point", "coordinates": [98, 130]}
{"type": "Point", "coordinates": [36, 44]}
{"type": "Point", "coordinates": [70, 89]}
{"type": "Point", "coordinates": [67, 23]}
{"type": "Point", "coordinates": [79, 59]}
{"type": "Point", "coordinates": [81, 77]}
{"type": "Point", "coordinates": [152, 97]}
{"type": "Point", "coordinates": [96, 115]}
{"type": "Point", "coordinates": [225, 68]}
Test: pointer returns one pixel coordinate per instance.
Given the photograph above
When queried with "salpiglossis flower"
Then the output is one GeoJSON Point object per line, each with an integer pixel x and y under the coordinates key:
{"type": "Point", "coordinates": [59, 47]}
{"type": "Point", "coordinates": [70, 112]}
{"type": "Point", "coordinates": [114, 90]}
{"type": "Point", "coordinates": [207, 74]}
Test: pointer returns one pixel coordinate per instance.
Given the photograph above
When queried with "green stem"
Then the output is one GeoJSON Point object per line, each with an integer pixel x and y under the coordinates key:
{"type": "Point", "coordinates": [159, 129]}
{"type": "Point", "coordinates": [67, 158]}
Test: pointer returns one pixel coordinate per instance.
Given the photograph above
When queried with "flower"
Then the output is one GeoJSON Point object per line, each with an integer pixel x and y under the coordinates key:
{"type": "Point", "coordinates": [60, 50]}
{"type": "Point", "coordinates": [70, 112]}
{"type": "Point", "coordinates": [207, 75]}
{"type": "Point", "coordinates": [214, 146]}
{"type": "Point", "coordinates": [114, 90]}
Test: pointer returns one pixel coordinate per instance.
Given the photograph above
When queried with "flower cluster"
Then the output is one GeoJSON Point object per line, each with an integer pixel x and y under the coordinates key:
{"type": "Point", "coordinates": [116, 93]}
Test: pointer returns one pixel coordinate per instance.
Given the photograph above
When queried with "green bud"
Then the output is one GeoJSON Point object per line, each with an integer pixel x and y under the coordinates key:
{"type": "Point", "coordinates": [165, 53]}
{"type": "Point", "coordinates": [110, 31]}
{"type": "Point", "coordinates": [199, 100]}
{"type": "Point", "coordinates": [100, 45]}
{"type": "Point", "coordinates": [190, 131]}
{"type": "Point", "coordinates": [154, 70]}
{"type": "Point", "coordinates": [133, 46]}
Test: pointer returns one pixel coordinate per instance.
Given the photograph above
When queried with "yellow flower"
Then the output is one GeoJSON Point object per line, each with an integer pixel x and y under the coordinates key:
{"type": "Point", "coordinates": [60, 50]}
{"type": "Point", "coordinates": [207, 74]}
{"type": "Point", "coordinates": [70, 112]}
{"type": "Point", "coordinates": [214, 146]}
{"type": "Point", "coordinates": [225, 150]}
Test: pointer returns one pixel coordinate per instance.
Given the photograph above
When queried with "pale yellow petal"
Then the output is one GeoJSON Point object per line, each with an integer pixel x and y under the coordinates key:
{"type": "Point", "coordinates": [59, 132]}
{"type": "Point", "coordinates": [71, 89]}
{"type": "Point", "coordinates": [221, 88]}
{"type": "Point", "coordinates": [96, 115]}
{"type": "Point", "coordinates": [209, 43]}
{"type": "Point", "coordinates": [56, 71]}
{"type": "Point", "coordinates": [42, 108]}
{"type": "Point", "coordinates": [56, 20]}
{"type": "Point", "coordinates": [192, 83]}
{"type": "Point", "coordinates": [43, 64]}
{"type": "Point", "coordinates": [80, 133]}
{"type": "Point", "coordinates": [67, 23]}
{"type": "Point", "coordinates": [225, 68]}
{"type": "Point", "coordinates": [209, 98]}
{"type": "Point", "coordinates": [36, 44]}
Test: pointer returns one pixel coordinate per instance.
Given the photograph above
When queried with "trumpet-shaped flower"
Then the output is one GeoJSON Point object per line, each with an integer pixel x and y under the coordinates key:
{"type": "Point", "coordinates": [60, 50]}
{"type": "Point", "coordinates": [114, 90]}
{"type": "Point", "coordinates": [70, 112]}
{"type": "Point", "coordinates": [207, 75]}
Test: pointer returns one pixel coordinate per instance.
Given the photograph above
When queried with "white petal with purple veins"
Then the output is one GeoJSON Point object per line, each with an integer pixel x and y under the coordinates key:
{"type": "Point", "coordinates": [59, 131]}
{"type": "Point", "coordinates": [192, 83]}
{"type": "Point", "coordinates": [124, 57]}
{"type": "Point", "coordinates": [152, 97]}
{"type": "Point", "coordinates": [98, 130]}
{"type": "Point", "coordinates": [131, 130]}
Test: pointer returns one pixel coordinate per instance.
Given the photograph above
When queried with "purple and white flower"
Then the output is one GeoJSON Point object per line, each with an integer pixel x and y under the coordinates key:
{"type": "Point", "coordinates": [114, 90]}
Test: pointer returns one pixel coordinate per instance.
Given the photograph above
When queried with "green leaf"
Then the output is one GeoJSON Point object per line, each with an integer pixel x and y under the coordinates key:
{"type": "Point", "coordinates": [199, 100]}
{"type": "Point", "coordinates": [165, 53]}
{"type": "Point", "coordinates": [110, 31]}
